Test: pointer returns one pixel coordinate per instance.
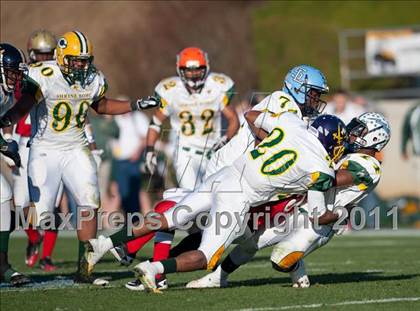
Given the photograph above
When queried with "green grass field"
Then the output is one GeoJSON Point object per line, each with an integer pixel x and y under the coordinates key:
{"type": "Point", "coordinates": [351, 273]}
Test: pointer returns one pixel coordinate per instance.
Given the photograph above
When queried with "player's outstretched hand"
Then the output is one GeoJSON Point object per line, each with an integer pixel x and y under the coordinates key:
{"type": "Point", "coordinates": [146, 103]}
{"type": "Point", "coordinates": [10, 149]}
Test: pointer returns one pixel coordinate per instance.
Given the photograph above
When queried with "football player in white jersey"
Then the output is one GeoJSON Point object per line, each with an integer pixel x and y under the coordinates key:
{"type": "Point", "coordinates": [290, 159]}
{"type": "Point", "coordinates": [194, 101]}
{"type": "Point", "coordinates": [65, 89]}
{"type": "Point", "coordinates": [301, 93]}
{"type": "Point", "coordinates": [358, 173]}
{"type": "Point", "coordinates": [12, 69]}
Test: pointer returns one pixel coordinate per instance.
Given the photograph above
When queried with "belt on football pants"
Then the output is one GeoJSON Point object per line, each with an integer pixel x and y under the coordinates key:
{"type": "Point", "coordinates": [207, 153]}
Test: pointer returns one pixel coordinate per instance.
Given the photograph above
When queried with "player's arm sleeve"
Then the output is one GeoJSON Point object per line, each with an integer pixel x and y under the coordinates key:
{"type": "Point", "coordinates": [362, 177]}
{"type": "Point", "coordinates": [165, 108]}
{"type": "Point", "coordinates": [316, 203]}
{"type": "Point", "coordinates": [103, 87]}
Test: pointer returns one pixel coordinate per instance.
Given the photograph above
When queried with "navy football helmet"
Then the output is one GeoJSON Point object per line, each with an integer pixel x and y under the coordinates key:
{"type": "Point", "coordinates": [331, 132]}
{"type": "Point", "coordinates": [12, 67]}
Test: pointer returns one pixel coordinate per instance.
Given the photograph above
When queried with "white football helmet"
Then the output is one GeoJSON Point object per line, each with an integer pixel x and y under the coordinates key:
{"type": "Point", "coordinates": [371, 130]}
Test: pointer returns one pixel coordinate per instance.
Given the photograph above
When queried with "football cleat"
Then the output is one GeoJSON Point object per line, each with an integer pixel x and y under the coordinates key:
{"type": "Point", "coordinates": [299, 277]}
{"type": "Point", "coordinates": [32, 253]}
{"type": "Point", "coordinates": [210, 280]}
{"type": "Point", "coordinates": [15, 278]}
{"type": "Point", "coordinates": [47, 265]}
{"type": "Point", "coordinates": [96, 249]}
{"type": "Point", "coordinates": [136, 285]}
{"type": "Point", "coordinates": [122, 255]}
{"type": "Point", "coordinates": [146, 274]}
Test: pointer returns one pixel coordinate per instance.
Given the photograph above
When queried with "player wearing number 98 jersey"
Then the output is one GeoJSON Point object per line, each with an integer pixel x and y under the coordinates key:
{"type": "Point", "coordinates": [194, 101]}
{"type": "Point", "coordinates": [62, 92]}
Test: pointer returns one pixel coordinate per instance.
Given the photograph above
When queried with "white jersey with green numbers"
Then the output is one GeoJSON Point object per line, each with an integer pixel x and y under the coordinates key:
{"type": "Point", "coordinates": [196, 117]}
{"type": "Point", "coordinates": [290, 159]}
{"type": "Point", "coordinates": [58, 120]}
{"type": "Point", "coordinates": [366, 172]}
{"type": "Point", "coordinates": [277, 102]}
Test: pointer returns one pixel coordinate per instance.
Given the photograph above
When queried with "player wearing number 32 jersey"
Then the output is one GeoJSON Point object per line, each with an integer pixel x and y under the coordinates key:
{"type": "Point", "coordinates": [194, 101]}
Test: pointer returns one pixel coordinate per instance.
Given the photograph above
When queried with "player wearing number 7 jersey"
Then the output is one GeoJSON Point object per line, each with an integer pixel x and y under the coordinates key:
{"type": "Point", "coordinates": [194, 102]}
{"type": "Point", "coordinates": [62, 92]}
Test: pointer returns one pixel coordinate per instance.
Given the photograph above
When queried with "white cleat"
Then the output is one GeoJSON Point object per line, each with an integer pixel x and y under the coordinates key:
{"type": "Point", "coordinates": [211, 280]}
{"type": "Point", "coordinates": [299, 276]}
{"type": "Point", "coordinates": [97, 248]}
{"type": "Point", "coordinates": [146, 273]}
{"type": "Point", "coordinates": [136, 285]}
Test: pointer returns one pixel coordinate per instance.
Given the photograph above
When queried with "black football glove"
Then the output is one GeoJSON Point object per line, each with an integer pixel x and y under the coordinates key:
{"type": "Point", "coordinates": [145, 103]}
{"type": "Point", "coordinates": [10, 149]}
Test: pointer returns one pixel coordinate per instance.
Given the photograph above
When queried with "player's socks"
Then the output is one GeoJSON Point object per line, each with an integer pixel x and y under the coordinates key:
{"type": "Point", "coordinates": [50, 237]}
{"type": "Point", "coordinates": [135, 245]}
{"type": "Point", "coordinates": [165, 266]}
{"type": "Point", "coordinates": [189, 243]}
{"type": "Point", "coordinates": [4, 248]}
{"type": "Point", "coordinates": [33, 235]}
{"type": "Point", "coordinates": [228, 266]}
{"type": "Point", "coordinates": [121, 236]}
{"type": "Point", "coordinates": [162, 247]}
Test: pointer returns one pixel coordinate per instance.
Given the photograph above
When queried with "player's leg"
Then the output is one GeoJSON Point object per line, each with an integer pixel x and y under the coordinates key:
{"type": "Point", "coordinates": [226, 222]}
{"type": "Point", "coordinates": [80, 179]}
{"type": "Point", "coordinates": [7, 274]}
{"type": "Point", "coordinates": [22, 203]}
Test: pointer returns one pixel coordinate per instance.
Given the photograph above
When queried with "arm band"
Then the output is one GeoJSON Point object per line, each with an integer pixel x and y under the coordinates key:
{"type": "Point", "coordinates": [155, 124]}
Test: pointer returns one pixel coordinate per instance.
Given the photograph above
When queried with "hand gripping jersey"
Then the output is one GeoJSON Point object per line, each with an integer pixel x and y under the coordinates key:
{"type": "Point", "coordinates": [277, 102]}
{"type": "Point", "coordinates": [366, 171]}
{"type": "Point", "coordinates": [58, 120]}
{"type": "Point", "coordinates": [196, 117]}
{"type": "Point", "coordinates": [289, 160]}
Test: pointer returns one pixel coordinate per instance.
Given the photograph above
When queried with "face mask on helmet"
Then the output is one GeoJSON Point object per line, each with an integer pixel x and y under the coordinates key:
{"type": "Point", "coordinates": [356, 130]}
{"type": "Point", "coordinates": [79, 69]}
{"type": "Point", "coordinates": [193, 77]}
{"type": "Point", "coordinates": [12, 67]}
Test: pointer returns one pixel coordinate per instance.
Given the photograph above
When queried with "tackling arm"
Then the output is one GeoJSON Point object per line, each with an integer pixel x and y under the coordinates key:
{"type": "Point", "coordinates": [114, 106]}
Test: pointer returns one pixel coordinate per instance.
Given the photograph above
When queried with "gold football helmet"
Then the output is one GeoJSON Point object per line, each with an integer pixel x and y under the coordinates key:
{"type": "Point", "coordinates": [75, 58]}
{"type": "Point", "coordinates": [41, 45]}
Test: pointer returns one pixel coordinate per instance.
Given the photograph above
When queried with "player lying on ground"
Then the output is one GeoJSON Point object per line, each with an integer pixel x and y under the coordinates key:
{"type": "Point", "coordinates": [302, 89]}
{"type": "Point", "coordinates": [358, 174]}
{"type": "Point", "coordinates": [12, 73]}
{"type": "Point", "coordinates": [260, 180]}
{"type": "Point", "coordinates": [61, 92]}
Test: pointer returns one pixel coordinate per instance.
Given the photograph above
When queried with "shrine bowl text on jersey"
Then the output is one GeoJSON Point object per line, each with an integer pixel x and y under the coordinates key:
{"type": "Point", "coordinates": [58, 119]}
{"type": "Point", "coordinates": [196, 117]}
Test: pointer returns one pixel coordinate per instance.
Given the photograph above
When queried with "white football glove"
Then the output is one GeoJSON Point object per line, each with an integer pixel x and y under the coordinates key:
{"type": "Point", "coordinates": [151, 161]}
{"type": "Point", "coordinates": [97, 157]}
{"type": "Point", "coordinates": [220, 143]}
{"type": "Point", "coordinates": [145, 103]}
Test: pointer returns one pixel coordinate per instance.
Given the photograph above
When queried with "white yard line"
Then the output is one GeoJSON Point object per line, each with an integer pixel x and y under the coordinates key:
{"type": "Point", "coordinates": [343, 303]}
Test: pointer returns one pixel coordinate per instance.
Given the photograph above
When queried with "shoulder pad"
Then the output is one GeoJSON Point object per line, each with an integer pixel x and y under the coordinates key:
{"type": "Point", "coordinates": [224, 81]}
{"type": "Point", "coordinates": [167, 85]}
{"type": "Point", "coordinates": [281, 102]}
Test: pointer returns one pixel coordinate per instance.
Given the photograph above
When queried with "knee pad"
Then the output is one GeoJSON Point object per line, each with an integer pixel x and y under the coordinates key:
{"type": "Point", "coordinates": [288, 262]}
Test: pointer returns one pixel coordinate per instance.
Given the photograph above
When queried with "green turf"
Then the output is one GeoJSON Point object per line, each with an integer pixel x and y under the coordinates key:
{"type": "Point", "coordinates": [348, 269]}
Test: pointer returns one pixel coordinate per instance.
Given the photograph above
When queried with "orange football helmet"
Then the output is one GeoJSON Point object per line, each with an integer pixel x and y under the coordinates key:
{"type": "Point", "coordinates": [192, 66]}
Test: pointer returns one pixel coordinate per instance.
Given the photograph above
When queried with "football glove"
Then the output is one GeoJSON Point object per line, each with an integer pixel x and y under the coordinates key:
{"type": "Point", "coordinates": [145, 103]}
{"type": "Point", "coordinates": [151, 160]}
{"type": "Point", "coordinates": [10, 149]}
{"type": "Point", "coordinates": [220, 143]}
